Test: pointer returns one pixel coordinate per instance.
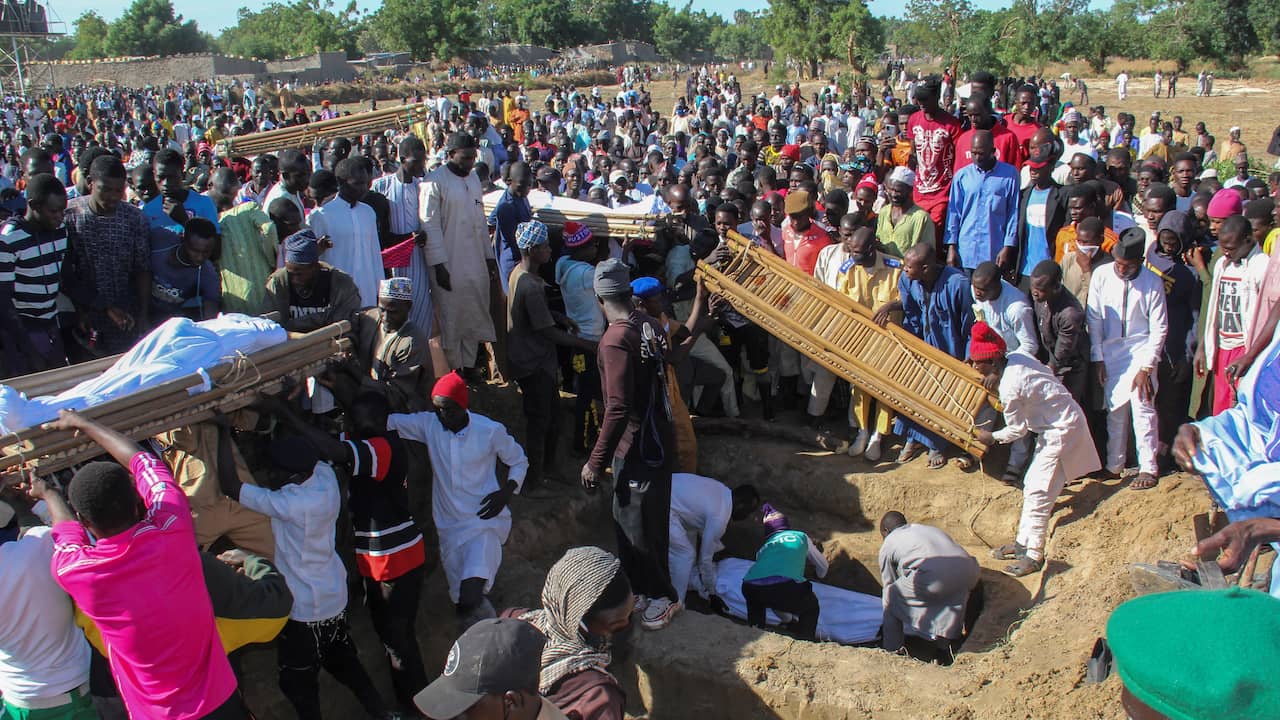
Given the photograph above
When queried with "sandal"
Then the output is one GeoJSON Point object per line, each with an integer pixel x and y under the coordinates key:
{"type": "Point", "coordinates": [910, 451]}
{"type": "Point", "coordinates": [937, 460]}
{"type": "Point", "coordinates": [965, 462]}
{"type": "Point", "coordinates": [1009, 551]}
{"type": "Point", "coordinates": [1024, 566]}
{"type": "Point", "coordinates": [1143, 481]}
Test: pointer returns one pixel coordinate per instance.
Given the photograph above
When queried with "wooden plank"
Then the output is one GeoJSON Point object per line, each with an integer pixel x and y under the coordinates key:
{"type": "Point", "coordinates": [918, 381]}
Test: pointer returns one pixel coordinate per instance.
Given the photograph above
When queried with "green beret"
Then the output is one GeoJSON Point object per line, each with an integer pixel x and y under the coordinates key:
{"type": "Point", "coordinates": [1198, 654]}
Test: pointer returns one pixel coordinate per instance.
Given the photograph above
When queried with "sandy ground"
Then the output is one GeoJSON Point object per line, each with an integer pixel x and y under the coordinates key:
{"type": "Point", "coordinates": [1025, 658]}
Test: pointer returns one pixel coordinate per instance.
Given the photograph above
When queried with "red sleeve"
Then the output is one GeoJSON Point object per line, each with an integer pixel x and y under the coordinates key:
{"type": "Point", "coordinates": [370, 458]}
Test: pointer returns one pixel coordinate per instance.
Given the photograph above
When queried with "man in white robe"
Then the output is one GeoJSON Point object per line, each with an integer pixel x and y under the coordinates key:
{"type": "Point", "coordinates": [1128, 322]}
{"type": "Point", "coordinates": [927, 578]}
{"type": "Point", "coordinates": [352, 230]}
{"type": "Point", "coordinates": [1035, 401]}
{"type": "Point", "coordinates": [402, 190]}
{"type": "Point", "coordinates": [468, 503]}
{"type": "Point", "coordinates": [464, 270]}
{"type": "Point", "coordinates": [701, 509]}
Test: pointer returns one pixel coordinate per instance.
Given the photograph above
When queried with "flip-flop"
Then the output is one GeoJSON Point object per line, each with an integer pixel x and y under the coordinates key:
{"type": "Point", "coordinates": [1008, 551]}
{"type": "Point", "coordinates": [1024, 566]}
{"type": "Point", "coordinates": [1143, 481]}
{"type": "Point", "coordinates": [965, 462]}
{"type": "Point", "coordinates": [910, 451]}
{"type": "Point", "coordinates": [937, 460]}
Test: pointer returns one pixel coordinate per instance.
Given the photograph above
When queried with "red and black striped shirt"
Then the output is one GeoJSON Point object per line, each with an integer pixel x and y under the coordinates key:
{"type": "Point", "coordinates": [387, 541]}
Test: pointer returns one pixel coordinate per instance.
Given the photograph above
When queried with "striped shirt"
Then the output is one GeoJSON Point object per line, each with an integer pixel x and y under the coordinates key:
{"type": "Point", "coordinates": [31, 267]}
{"type": "Point", "coordinates": [387, 541]}
{"type": "Point", "coordinates": [403, 198]}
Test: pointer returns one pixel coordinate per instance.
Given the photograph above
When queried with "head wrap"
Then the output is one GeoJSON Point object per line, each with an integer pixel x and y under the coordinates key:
{"type": "Point", "coordinates": [867, 181]}
{"type": "Point", "coordinates": [396, 288]}
{"type": "Point", "coordinates": [576, 234]}
{"type": "Point", "coordinates": [790, 151]}
{"type": "Point", "coordinates": [530, 235]}
{"type": "Point", "coordinates": [646, 287]}
{"type": "Point", "coordinates": [774, 520]}
{"type": "Point", "coordinates": [573, 586]}
{"type": "Point", "coordinates": [459, 141]}
{"type": "Point", "coordinates": [1132, 244]}
{"type": "Point", "coordinates": [301, 248]}
{"type": "Point", "coordinates": [612, 278]}
{"type": "Point", "coordinates": [1225, 203]}
{"type": "Point", "coordinates": [904, 175]}
{"type": "Point", "coordinates": [1158, 670]}
{"type": "Point", "coordinates": [985, 343]}
{"type": "Point", "coordinates": [452, 386]}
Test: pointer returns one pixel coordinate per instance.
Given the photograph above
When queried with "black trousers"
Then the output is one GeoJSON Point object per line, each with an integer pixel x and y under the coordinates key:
{"type": "Point", "coordinates": [588, 405]}
{"type": "Point", "coordinates": [393, 606]}
{"type": "Point", "coordinates": [792, 597]}
{"type": "Point", "coordinates": [1173, 397]}
{"type": "Point", "coordinates": [641, 518]}
{"type": "Point", "coordinates": [541, 398]}
{"type": "Point", "coordinates": [303, 648]}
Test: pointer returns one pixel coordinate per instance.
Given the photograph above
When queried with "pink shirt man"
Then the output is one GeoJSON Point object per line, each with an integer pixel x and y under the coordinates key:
{"type": "Point", "coordinates": [145, 591]}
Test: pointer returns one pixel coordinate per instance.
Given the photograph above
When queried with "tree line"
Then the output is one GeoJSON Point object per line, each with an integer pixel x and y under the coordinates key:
{"type": "Point", "coordinates": [1027, 34]}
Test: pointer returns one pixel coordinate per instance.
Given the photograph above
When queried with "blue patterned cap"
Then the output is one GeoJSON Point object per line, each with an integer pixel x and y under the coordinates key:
{"type": "Point", "coordinates": [646, 287]}
{"type": "Point", "coordinates": [301, 248]}
{"type": "Point", "coordinates": [530, 235]}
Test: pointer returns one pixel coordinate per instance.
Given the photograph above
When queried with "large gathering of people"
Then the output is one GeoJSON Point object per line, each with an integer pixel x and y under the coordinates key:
{"type": "Point", "coordinates": [1107, 285]}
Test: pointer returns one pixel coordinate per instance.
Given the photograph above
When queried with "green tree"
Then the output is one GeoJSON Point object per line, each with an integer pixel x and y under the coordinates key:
{"type": "Point", "coordinates": [684, 33]}
{"type": "Point", "coordinates": [90, 37]}
{"type": "Point", "coordinates": [944, 26]}
{"type": "Point", "coordinates": [302, 27]}
{"type": "Point", "coordinates": [613, 20]}
{"type": "Point", "coordinates": [741, 39]}
{"type": "Point", "coordinates": [439, 29]}
{"type": "Point", "coordinates": [550, 23]}
{"type": "Point", "coordinates": [857, 36]}
{"type": "Point", "coordinates": [151, 27]}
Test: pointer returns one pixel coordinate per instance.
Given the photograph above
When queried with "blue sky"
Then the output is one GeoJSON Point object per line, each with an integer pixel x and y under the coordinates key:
{"type": "Point", "coordinates": [214, 16]}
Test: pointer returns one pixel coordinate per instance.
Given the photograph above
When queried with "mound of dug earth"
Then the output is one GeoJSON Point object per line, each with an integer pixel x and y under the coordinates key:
{"type": "Point", "coordinates": [1024, 659]}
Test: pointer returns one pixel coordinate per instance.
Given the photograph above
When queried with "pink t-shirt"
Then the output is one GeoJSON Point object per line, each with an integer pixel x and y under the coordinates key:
{"type": "Point", "coordinates": [145, 591]}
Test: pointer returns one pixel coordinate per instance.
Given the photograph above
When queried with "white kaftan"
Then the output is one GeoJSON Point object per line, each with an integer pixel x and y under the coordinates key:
{"type": "Point", "coordinates": [464, 467]}
{"type": "Point", "coordinates": [1128, 322]}
{"type": "Point", "coordinates": [1036, 401]}
{"type": "Point", "coordinates": [451, 209]}
{"type": "Point", "coordinates": [353, 230]}
{"type": "Point", "coordinates": [700, 508]}
{"type": "Point", "coordinates": [1012, 317]}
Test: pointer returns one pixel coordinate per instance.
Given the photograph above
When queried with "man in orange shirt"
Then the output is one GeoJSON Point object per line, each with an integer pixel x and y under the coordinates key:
{"type": "Point", "coordinates": [802, 238]}
{"type": "Point", "coordinates": [1082, 202]}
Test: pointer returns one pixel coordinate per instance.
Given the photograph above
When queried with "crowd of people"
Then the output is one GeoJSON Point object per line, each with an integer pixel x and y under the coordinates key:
{"type": "Point", "coordinates": [1105, 285]}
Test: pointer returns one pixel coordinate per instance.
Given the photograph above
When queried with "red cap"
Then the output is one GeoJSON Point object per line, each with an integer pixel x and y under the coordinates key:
{"type": "Point", "coordinates": [452, 386]}
{"type": "Point", "coordinates": [984, 342]}
{"type": "Point", "coordinates": [867, 181]}
{"type": "Point", "coordinates": [791, 151]}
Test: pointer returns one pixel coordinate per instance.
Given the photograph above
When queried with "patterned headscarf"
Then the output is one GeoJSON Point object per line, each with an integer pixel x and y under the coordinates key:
{"type": "Point", "coordinates": [573, 585]}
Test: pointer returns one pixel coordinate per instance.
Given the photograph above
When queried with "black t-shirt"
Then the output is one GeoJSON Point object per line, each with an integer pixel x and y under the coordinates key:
{"type": "Point", "coordinates": [317, 302]}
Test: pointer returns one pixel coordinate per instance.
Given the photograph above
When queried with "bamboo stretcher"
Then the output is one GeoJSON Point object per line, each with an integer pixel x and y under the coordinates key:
{"type": "Point", "coordinates": [603, 223]}
{"type": "Point", "coordinates": [400, 117]}
{"type": "Point", "coordinates": [919, 382]}
{"type": "Point", "coordinates": [236, 382]}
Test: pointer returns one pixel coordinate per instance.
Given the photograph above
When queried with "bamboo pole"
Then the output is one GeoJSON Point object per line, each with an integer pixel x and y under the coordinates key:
{"type": "Point", "coordinates": [303, 136]}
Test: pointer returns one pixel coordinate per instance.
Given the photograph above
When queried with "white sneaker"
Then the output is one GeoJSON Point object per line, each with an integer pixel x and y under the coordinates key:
{"type": "Point", "coordinates": [785, 618]}
{"type": "Point", "coordinates": [659, 613]}
{"type": "Point", "coordinates": [859, 445]}
{"type": "Point", "coordinates": [873, 448]}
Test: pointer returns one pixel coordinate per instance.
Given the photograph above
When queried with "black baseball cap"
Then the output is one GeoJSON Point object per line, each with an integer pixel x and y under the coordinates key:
{"type": "Point", "coordinates": [492, 657]}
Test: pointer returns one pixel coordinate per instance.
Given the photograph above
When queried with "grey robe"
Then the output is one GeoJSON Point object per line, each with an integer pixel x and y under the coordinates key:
{"type": "Point", "coordinates": [927, 578]}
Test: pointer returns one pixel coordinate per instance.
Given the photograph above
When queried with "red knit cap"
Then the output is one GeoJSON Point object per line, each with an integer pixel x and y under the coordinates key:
{"type": "Point", "coordinates": [791, 151]}
{"type": "Point", "coordinates": [984, 342]}
{"type": "Point", "coordinates": [452, 386]}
